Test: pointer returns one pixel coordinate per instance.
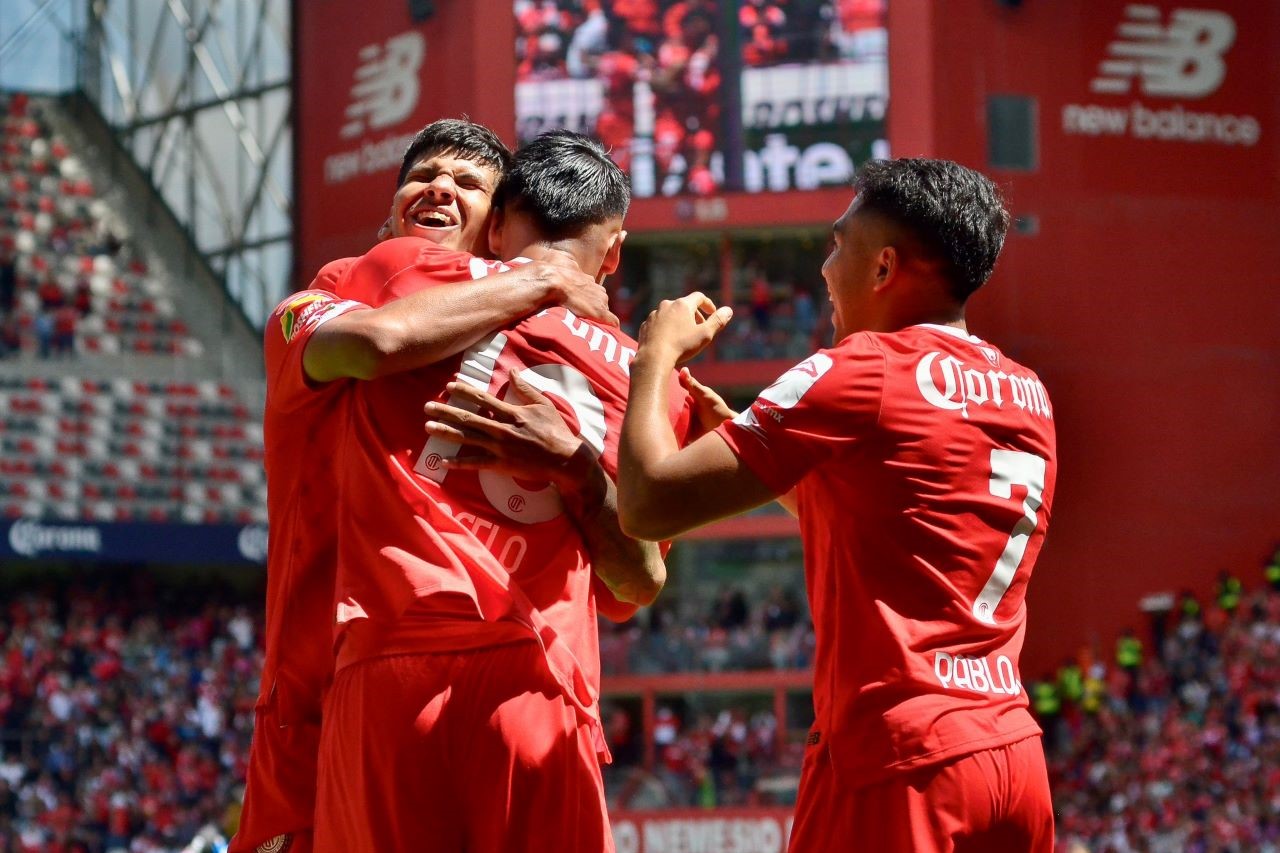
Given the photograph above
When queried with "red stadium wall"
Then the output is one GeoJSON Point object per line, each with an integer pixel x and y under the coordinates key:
{"type": "Point", "coordinates": [1143, 290]}
{"type": "Point", "coordinates": [1139, 281]}
{"type": "Point", "coordinates": [366, 78]}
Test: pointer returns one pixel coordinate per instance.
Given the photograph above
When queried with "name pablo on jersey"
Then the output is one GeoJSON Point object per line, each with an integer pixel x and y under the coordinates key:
{"type": "Point", "coordinates": [964, 672]}
{"type": "Point", "coordinates": [962, 385]}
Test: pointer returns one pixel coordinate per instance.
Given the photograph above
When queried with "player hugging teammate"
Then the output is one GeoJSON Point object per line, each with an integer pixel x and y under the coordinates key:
{"type": "Point", "coordinates": [432, 671]}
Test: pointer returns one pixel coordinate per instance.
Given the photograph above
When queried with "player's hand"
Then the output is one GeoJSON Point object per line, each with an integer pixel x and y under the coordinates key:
{"type": "Point", "coordinates": [684, 327]}
{"type": "Point", "coordinates": [573, 289]}
{"type": "Point", "coordinates": [709, 408]}
{"type": "Point", "coordinates": [525, 438]}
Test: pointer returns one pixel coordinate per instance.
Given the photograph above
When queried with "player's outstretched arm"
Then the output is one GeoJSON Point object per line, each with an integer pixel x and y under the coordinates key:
{"type": "Point", "coordinates": [437, 322]}
{"type": "Point", "coordinates": [530, 439]}
{"type": "Point", "coordinates": [711, 410]}
{"type": "Point", "coordinates": [664, 490]}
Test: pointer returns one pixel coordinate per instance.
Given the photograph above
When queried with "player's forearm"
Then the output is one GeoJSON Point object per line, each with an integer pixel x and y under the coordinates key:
{"type": "Point", "coordinates": [427, 326]}
{"type": "Point", "coordinates": [632, 570]}
{"type": "Point", "coordinates": [645, 497]}
{"type": "Point", "coordinates": [442, 321]}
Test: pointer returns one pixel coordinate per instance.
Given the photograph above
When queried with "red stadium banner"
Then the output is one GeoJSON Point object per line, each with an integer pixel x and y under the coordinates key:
{"type": "Point", "coordinates": [366, 78]}
{"type": "Point", "coordinates": [715, 831]}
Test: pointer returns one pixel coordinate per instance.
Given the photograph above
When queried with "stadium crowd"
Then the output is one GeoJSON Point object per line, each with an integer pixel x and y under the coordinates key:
{"type": "Point", "coordinates": [126, 709]}
{"type": "Point", "coordinates": [126, 719]}
{"type": "Point", "coordinates": [1178, 750]}
{"type": "Point", "coordinates": [732, 632]}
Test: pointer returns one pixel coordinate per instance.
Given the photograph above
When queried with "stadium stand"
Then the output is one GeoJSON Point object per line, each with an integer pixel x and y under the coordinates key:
{"type": "Point", "coordinates": [77, 284]}
{"type": "Point", "coordinates": [80, 307]}
{"type": "Point", "coordinates": [129, 451]}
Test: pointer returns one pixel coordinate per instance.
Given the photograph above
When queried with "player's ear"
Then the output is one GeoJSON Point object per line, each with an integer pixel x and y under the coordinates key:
{"type": "Point", "coordinates": [887, 266]}
{"type": "Point", "coordinates": [613, 254]}
{"type": "Point", "coordinates": [495, 233]}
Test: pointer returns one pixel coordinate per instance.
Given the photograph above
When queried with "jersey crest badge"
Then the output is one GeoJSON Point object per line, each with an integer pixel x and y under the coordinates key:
{"type": "Point", "coordinates": [292, 312]}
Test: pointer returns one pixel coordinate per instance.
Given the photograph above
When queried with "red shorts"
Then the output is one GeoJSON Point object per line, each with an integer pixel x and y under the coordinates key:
{"type": "Point", "coordinates": [475, 750]}
{"type": "Point", "coordinates": [993, 801]}
{"type": "Point", "coordinates": [280, 787]}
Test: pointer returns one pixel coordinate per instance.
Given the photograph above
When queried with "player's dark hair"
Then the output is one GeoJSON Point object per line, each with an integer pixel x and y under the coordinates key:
{"type": "Point", "coordinates": [460, 138]}
{"type": "Point", "coordinates": [957, 214]}
{"type": "Point", "coordinates": [566, 182]}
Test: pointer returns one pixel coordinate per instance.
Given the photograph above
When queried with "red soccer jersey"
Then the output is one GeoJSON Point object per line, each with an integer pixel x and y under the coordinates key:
{"type": "Point", "coordinates": [448, 544]}
{"type": "Point", "coordinates": [300, 417]}
{"type": "Point", "coordinates": [301, 568]}
{"type": "Point", "coordinates": [925, 465]}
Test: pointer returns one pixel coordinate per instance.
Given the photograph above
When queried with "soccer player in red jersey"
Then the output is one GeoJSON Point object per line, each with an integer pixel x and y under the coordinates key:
{"type": "Point", "coordinates": [443, 200]}
{"type": "Point", "coordinates": [464, 708]}
{"type": "Point", "coordinates": [921, 462]}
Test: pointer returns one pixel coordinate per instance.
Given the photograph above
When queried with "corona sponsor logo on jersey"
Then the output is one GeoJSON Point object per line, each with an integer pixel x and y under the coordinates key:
{"type": "Point", "coordinates": [1185, 58]}
{"type": "Point", "coordinates": [948, 383]}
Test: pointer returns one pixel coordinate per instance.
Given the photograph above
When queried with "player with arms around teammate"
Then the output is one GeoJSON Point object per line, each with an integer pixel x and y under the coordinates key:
{"type": "Point", "coordinates": [464, 708]}
{"type": "Point", "coordinates": [442, 204]}
{"type": "Point", "coordinates": [923, 463]}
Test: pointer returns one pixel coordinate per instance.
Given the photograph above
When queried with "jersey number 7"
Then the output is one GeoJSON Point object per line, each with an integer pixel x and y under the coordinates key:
{"type": "Point", "coordinates": [1009, 468]}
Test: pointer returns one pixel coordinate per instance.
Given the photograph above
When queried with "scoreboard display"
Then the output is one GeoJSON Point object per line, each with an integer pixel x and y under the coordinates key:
{"type": "Point", "coordinates": [702, 98]}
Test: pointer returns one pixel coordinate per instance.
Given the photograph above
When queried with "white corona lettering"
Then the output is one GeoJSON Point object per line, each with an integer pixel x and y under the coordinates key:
{"type": "Point", "coordinates": [924, 381]}
{"type": "Point", "coordinates": [1016, 393]}
{"type": "Point", "coordinates": [576, 326]}
{"type": "Point", "coordinates": [624, 359]}
{"type": "Point", "coordinates": [962, 386]}
{"type": "Point", "coordinates": [975, 386]}
{"type": "Point", "coordinates": [602, 339]}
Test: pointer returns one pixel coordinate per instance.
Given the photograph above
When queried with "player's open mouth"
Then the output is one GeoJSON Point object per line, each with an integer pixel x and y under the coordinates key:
{"type": "Point", "coordinates": [433, 219]}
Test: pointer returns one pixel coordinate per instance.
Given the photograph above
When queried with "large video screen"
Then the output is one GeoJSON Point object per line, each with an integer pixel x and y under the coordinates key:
{"type": "Point", "coordinates": [701, 97]}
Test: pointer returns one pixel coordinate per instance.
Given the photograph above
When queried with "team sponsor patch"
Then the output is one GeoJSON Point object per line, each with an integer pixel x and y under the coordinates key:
{"type": "Point", "coordinates": [293, 315]}
{"type": "Point", "coordinates": [279, 844]}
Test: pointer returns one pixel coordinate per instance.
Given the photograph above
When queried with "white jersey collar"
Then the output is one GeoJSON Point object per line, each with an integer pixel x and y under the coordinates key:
{"type": "Point", "coordinates": [951, 330]}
